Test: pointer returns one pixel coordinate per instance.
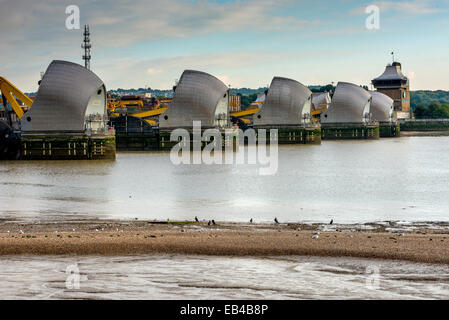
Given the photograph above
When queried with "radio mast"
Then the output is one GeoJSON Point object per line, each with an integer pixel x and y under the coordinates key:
{"type": "Point", "coordinates": [86, 46]}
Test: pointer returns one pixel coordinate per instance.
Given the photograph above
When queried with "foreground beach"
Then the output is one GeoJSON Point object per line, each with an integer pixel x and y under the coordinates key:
{"type": "Point", "coordinates": [101, 237]}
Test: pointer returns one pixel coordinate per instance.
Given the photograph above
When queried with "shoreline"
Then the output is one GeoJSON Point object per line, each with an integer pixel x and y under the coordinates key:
{"type": "Point", "coordinates": [117, 237]}
{"type": "Point", "coordinates": [436, 133]}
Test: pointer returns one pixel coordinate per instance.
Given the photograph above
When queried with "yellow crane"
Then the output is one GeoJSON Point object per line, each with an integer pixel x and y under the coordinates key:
{"type": "Point", "coordinates": [150, 113]}
{"type": "Point", "coordinates": [243, 114]}
{"type": "Point", "coordinates": [10, 93]}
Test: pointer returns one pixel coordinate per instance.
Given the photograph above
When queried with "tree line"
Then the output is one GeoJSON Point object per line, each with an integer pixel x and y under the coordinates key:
{"type": "Point", "coordinates": [428, 104]}
{"type": "Point", "coordinates": [434, 110]}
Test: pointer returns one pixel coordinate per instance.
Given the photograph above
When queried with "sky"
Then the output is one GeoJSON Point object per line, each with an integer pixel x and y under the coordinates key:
{"type": "Point", "coordinates": [245, 43]}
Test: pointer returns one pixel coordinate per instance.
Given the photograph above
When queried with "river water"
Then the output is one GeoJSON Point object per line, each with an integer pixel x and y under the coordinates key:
{"type": "Point", "coordinates": [405, 179]}
{"type": "Point", "coordinates": [199, 277]}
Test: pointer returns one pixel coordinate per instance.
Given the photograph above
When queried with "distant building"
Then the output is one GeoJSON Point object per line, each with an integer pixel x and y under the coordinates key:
{"type": "Point", "coordinates": [394, 84]}
{"type": "Point", "coordinates": [235, 103]}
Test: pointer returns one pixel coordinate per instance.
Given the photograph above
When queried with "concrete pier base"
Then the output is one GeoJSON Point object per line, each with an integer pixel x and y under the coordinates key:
{"type": "Point", "coordinates": [137, 142]}
{"type": "Point", "coordinates": [9, 142]}
{"type": "Point", "coordinates": [134, 134]}
{"type": "Point", "coordinates": [293, 134]}
{"type": "Point", "coordinates": [67, 147]}
{"type": "Point", "coordinates": [349, 131]}
{"type": "Point", "coordinates": [227, 141]}
{"type": "Point", "coordinates": [388, 130]}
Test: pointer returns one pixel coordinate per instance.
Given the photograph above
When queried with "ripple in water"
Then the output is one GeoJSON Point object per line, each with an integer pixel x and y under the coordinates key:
{"type": "Point", "coordinates": [201, 277]}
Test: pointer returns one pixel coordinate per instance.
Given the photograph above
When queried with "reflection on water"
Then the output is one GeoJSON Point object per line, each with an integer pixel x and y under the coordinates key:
{"type": "Point", "coordinates": [198, 277]}
{"type": "Point", "coordinates": [350, 181]}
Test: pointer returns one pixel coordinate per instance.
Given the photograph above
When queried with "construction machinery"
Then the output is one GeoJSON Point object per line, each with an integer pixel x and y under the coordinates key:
{"type": "Point", "coordinates": [243, 118]}
{"type": "Point", "coordinates": [9, 125]}
{"type": "Point", "coordinates": [9, 95]}
{"type": "Point", "coordinates": [136, 111]}
{"type": "Point", "coordinates": [320, 103]}
{"type": "Point", "coordinates": [129, 104]}
{"type": "Point", "coordinates": [135, 119]}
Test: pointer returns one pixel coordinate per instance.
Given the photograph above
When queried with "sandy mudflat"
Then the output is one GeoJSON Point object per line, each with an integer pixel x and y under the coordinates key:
{"type": "Point", "coordinates": [99, 237]}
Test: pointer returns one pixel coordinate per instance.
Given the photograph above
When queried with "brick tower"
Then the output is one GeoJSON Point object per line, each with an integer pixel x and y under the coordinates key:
{"type": "Point", "coordinates": [395, 85]}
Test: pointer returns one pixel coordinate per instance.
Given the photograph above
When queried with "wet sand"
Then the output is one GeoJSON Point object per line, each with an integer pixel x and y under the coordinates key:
{"type": "Point", "coordinates": [100, 237]}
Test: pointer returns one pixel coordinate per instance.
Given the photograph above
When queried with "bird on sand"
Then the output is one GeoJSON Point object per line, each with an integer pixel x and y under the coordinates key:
{"type": "Point", "coordinates": [332, 221]}
{"type": "Point", "coordinates": [213, 222]}
{"type": "Point", "coordinates": [251, 220]}
{"type": "Point", "coordinates": [196, 219]}
{"type": "Point", "coordinates": [276, 220]}
{"type": "Point", "coordinates": [208, 223]}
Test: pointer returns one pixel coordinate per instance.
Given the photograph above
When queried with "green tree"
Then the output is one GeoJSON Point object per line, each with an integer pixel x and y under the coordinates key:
{"type": "Point", "coordinates": [420, 112]}
{"type": "Point", "coordinates": [246, 99]}
{"type": "Point", "coordinates": [434, 111]}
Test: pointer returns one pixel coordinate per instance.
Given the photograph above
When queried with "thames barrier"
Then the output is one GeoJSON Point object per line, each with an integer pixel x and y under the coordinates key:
{"type": "Point", "coordinates": [71, 116]}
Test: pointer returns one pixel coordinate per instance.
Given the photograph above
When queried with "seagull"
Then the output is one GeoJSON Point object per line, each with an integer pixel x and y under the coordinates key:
{"type": "Point", "coordinates": [251, 220]}
{"type": "Point", "coordinates": [196, 219]}
{"type": "Point", "coordinates": [315, 236]}
{"type": "Point", "coordinates": [213, 222]}
{"type": "Point", "coordinates": [20, 231]}
{"type": "Point", "coordinates": [332, 221]}
{"type": "Point", "coordinates": [276, 220]}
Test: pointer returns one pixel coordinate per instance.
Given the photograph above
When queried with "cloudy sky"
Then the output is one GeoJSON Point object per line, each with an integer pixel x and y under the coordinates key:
{"type": "Point", "coordinates": [138, 43]}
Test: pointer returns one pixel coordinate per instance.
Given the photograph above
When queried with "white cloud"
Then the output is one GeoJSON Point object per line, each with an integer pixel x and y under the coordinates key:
{"type": "Point", "coordinates": [127, 22]}
{"type": "Point", "coordinates": [233, 81]}
{"type": "Point", "coordinates": [406, 7]}
{"type": "Point", "coordinates": [152, 71]}
{"type": "Point", "coordinates": [36, 32]}
{"type": "Point", "coordinates": [135, 72]}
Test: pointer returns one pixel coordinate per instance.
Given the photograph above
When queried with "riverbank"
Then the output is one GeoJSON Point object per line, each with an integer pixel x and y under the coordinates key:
{"type": "Point", "coordinates": [108, 237]}
{"type": "Point", "coordinates": [425, 133]}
